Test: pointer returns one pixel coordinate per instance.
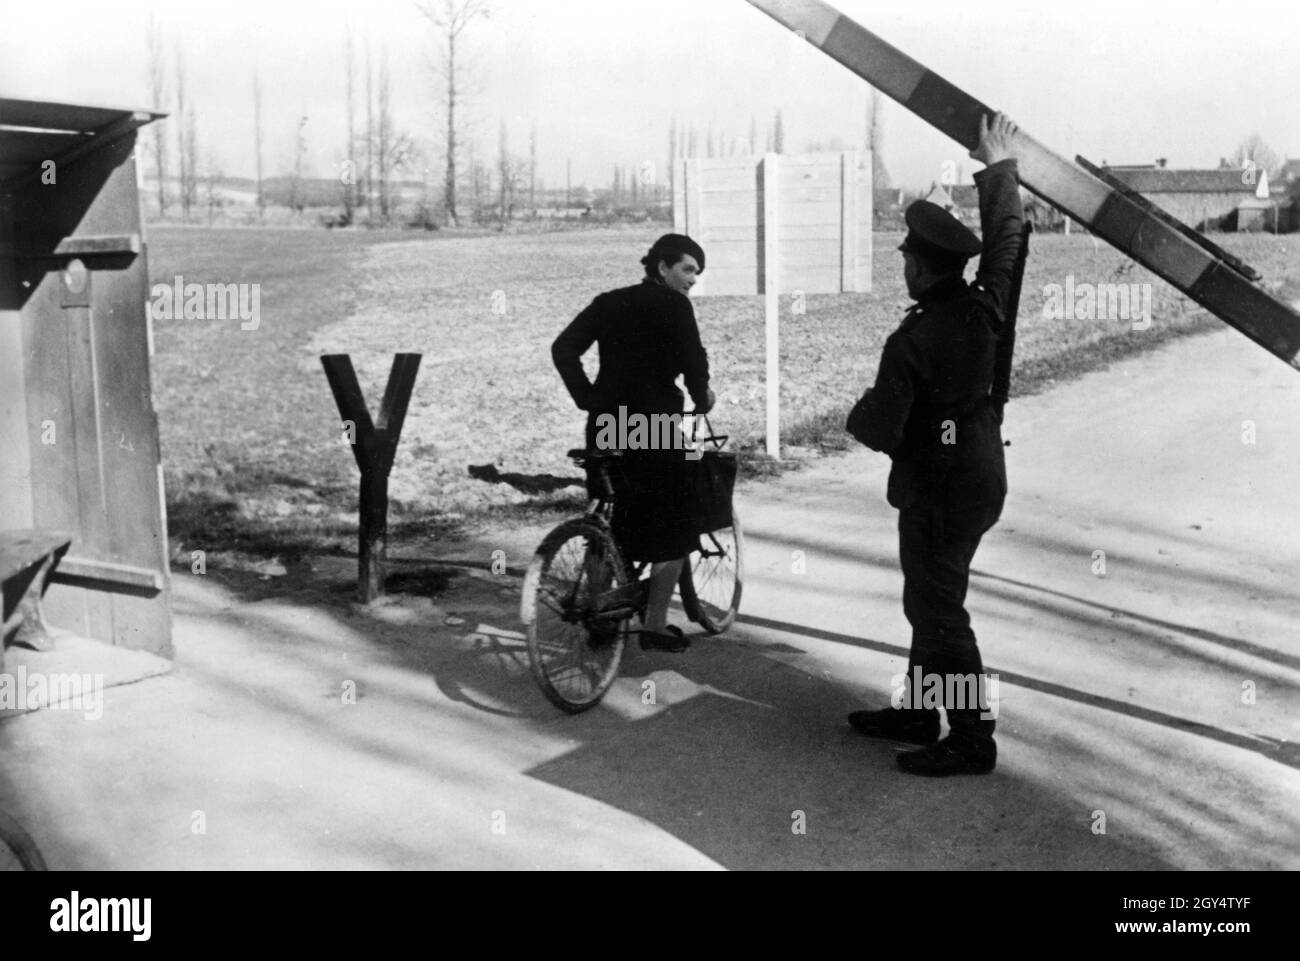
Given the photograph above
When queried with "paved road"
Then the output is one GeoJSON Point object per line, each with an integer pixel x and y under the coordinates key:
{"type": "Point", "coordinates": [1160, 695]}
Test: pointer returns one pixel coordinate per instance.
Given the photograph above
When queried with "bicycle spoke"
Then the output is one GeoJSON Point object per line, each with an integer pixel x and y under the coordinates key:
{"type": "Point", "coordinates": [579, 571]}
{"type": "Point", "coordinates": [715, 578]}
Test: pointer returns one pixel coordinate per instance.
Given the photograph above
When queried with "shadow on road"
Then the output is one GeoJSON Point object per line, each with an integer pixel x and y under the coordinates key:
{"type": "Point", "coordinates": [1275, 749]}
{"type": "Point", "coordinates": [738, 745]}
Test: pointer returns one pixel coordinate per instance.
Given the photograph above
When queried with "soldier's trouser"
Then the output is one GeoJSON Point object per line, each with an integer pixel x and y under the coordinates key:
{"type": "Point", "coordinates": [936, 547]}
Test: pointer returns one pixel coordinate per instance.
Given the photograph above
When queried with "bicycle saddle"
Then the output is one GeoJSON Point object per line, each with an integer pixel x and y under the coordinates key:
{"type": "Point", "coordinates": [581, 456]}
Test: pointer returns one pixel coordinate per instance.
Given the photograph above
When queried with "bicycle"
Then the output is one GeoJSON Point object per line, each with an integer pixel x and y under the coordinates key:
{"type": "Point", "coordinates": [18, 852]}
{"type": "Point", "coordinates": [581, 592]}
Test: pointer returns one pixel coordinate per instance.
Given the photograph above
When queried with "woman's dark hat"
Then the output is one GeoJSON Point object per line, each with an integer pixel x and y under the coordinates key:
{"type": "Point", "coordinates": [671, 246]}
{"type": "Point", "coordinates": [934, 233]}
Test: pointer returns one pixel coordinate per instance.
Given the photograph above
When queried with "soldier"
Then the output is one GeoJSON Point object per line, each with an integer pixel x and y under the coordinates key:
{"type": "Point", "coordinates": [932, 412]}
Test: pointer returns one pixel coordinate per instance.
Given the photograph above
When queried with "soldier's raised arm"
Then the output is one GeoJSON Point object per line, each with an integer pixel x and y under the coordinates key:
{"type": "Point", "coordinates": [1001, 213]}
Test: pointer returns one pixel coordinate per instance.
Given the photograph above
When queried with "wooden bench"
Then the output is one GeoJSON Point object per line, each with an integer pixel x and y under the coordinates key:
{"type": "Point", "coordinates": [27, 559]}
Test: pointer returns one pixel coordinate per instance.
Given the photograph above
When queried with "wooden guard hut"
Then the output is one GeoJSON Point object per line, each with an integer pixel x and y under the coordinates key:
{"type": "Point", "coordinates": [78, 435]}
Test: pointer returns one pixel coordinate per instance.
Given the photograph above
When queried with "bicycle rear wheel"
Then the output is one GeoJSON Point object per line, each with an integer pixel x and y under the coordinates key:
{"type": "Point", "coordinates": [713, 578]}
{"type": "Point", "coordinates": [18, 852]}
{"type": "Point", "coordinates": [577, 625]}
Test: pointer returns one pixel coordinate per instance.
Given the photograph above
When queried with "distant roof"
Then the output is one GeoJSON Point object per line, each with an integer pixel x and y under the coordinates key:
{"type": "Point", "coordinates": [1160, 180]}
{"type": "Point", "coordinates": [33, 131]}
{"type": "Point", "coordinates": [938, 195]}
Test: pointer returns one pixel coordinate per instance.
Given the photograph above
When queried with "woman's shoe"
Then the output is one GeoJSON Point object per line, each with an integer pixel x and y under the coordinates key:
{"type": "Point", "coordinates": [674, 641]}
{"type": "Point", "coordinates": [602, 636]}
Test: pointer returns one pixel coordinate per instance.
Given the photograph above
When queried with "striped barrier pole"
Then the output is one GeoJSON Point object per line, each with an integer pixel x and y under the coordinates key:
{"type": "Point", "coordinates": [1128, 223]}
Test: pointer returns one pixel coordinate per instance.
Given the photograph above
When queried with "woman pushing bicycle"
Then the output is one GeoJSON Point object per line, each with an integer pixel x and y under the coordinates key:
{"type": "Point", "coordinates": [647, 336]}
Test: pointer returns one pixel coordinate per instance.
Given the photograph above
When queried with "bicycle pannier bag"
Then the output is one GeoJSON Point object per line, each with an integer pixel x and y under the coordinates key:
{"type": "Point", "coordinates": [713, 478]}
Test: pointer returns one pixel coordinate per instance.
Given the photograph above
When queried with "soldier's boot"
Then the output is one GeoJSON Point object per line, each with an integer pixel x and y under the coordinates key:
{"type": "Point", "coordinates": [912, 725]}
{"type": "Point", "coordinates": [968, 749]}
{"type": "Point", "coordinates": [955, 754]}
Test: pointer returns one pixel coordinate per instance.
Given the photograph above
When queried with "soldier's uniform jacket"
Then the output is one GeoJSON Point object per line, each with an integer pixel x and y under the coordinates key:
{"type": "Point", "coordinates": [936, 372]}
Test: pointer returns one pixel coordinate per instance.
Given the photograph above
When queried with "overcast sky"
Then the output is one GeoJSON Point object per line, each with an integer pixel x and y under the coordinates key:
{"type": "Point", "coordinates": [1123, 82]}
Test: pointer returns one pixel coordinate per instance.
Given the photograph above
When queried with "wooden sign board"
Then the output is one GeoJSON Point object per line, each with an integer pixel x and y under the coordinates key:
{"type": "Point", "coordinates": [817, 206]}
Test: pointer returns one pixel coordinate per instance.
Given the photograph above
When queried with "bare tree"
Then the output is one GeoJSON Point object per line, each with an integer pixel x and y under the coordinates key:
{"type": "Point", "coordinates": [182, 108]}
{"type": "Point", "coordinates": [297, 194]}
{"type": "Point", "coordinates": [190, 150]}
{"type": "Point", "coordinates": [425, 216]}
{"type": "Point", "coordinates": [370, 135]}
{"type": "Point", "coordinates": [350, 178]}
{"type": "Point", "coordinates": [450, 19]}
{"type": "Point", "coordinates": [672, 151]}
{"type": "Point", "coordinates": [158, 93]}
{"type": "Point", "coordinates": [384, 133]}
{"type": "Point", "coordinates": [192, 158]}
{"type": "Point", "coordinates": [257, 140]}
{"type": "Point", "coordinates": [394, 150]}
{"type": "Point", "coordinates": [876, 141]}
{"type": "Point", "coordinates": [504, 174]}
{"type": "Point", "coordinates": [212, 175]}
{"type": "Point", "coordinates": [1254, 154]}
{"type": "Point", "coordinates": [476, 181]}
{"type": "Point", "coordinates": [532, 167]}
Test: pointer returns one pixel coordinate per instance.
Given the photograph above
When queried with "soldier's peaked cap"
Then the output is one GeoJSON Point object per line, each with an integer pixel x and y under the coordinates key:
{"type": "Point", "coordinates": [935, 233]}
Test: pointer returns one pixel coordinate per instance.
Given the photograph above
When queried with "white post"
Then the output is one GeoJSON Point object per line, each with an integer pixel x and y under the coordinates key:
{"type": "Point", "coordinates": [679, 197]}
{"type": "Point", "coordinates": [848, 222]}
{"type": "Point", "coordinates": [693, 193]}
{"type": "Point", "coordinates": [771, 292]}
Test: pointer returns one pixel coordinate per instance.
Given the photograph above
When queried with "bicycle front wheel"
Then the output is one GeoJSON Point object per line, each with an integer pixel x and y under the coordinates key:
{"type": "Point", "coordinates": [713, 578]}
{"type": "Point", "coordinates": [576, 619]}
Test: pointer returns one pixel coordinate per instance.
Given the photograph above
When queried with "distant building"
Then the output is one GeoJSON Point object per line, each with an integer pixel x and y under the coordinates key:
{"type": "Point", "coordinates": [562, 213]}
{"type": "Point", "coordinates": [1289, 176]}
{"type": "Point", "coordinates": [1267, 215]}
{"type": "Point", "coordinates": [888, 204]}
{"type": "Point", "coordinates": [940, 198]}
{"type": "Point", "coordinates": [1285, 193]}
{"type": "Point", "coordinates": [960, 200]}
{"type": "Point", "coordinates": [1204, 199]}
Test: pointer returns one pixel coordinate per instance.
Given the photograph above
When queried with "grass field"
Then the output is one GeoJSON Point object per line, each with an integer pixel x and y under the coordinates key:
{"type": "Point", "coordinates": [252, 446]}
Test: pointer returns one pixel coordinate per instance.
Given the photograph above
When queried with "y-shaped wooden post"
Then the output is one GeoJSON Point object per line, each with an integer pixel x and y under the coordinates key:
{"type": "Point", "coordinates": [374, 446]}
